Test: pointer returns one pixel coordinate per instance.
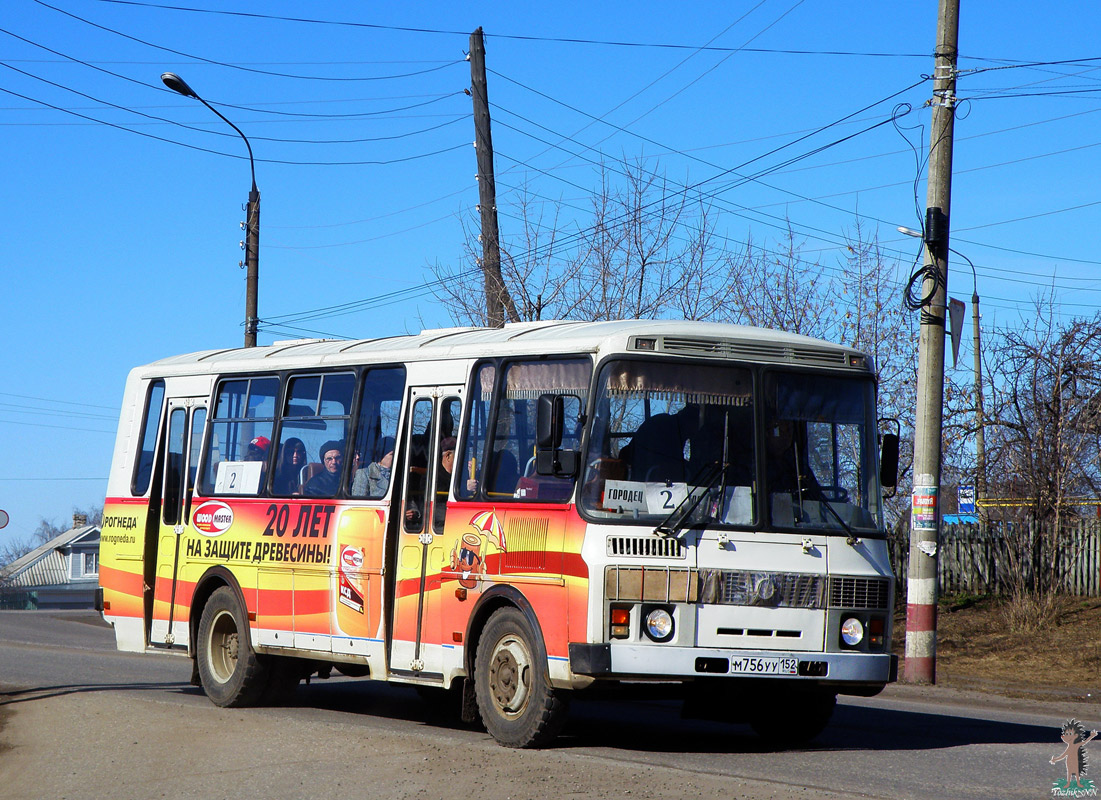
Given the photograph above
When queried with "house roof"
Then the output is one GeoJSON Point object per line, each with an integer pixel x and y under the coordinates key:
{"type": "Point", "coordinates": [45, 564]}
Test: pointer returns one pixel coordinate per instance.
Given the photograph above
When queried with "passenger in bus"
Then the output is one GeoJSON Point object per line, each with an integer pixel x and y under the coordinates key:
{"type": "Point", "coordinates": [373, 480]}
{"type": "Point", "coordinates": [326, 482]}
{"type": "Point", "coordinates": [258, 449]}
{"type": "Point", "coordinates": [443, 481]}
{"type": "Point", "coordinates": [288, 472]}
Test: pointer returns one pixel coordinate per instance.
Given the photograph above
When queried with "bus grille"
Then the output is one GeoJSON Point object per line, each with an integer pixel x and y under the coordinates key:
{"type": "Point", "coordinates": [871, 593]}
{"type": "Point", "coordinates": [774, 589]}
{"type": "Point", "coordinates": [754, 351]}
{"type": "Point", "coordinates": [646, 547]}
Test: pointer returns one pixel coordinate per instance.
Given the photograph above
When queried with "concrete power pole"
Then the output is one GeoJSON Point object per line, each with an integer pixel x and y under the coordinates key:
{"type": "Point", "coordinates": [921, 587]}
{"type": "Point", "coordinates": [497, 298]}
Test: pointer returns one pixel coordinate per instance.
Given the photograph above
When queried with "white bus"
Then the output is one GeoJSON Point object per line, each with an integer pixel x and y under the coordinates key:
{"type": "Point", "coordinates": [516, 514]}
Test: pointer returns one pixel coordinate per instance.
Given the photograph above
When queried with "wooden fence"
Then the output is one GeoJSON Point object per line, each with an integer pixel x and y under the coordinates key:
{"type": "Point", "coordinates": [971, 560]}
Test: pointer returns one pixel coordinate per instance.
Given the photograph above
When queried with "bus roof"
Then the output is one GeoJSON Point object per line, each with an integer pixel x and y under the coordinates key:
{"type": "Point", "coordinates": [670, 337]}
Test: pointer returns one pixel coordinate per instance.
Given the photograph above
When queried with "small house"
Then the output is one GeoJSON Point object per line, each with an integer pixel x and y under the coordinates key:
{"type": "Point", "coordinates": [63, 573]}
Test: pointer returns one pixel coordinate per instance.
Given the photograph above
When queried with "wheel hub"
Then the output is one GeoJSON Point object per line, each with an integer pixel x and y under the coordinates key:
{"type": "Point", "coordinates": [509, 676]}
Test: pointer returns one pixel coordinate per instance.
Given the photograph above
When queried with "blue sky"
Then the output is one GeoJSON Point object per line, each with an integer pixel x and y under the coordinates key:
{"type": "Point", "coordinates": [120, 247]}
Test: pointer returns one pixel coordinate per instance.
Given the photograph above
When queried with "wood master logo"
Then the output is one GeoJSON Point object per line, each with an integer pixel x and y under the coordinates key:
{"type": "Point", "coordinates": [212, 518]}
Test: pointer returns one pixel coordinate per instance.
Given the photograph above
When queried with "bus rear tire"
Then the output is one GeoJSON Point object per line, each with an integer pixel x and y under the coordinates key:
{"type": "Point", "coordinates": [518, 705]}
{"type": "Point", "coordinates": [231, 673]}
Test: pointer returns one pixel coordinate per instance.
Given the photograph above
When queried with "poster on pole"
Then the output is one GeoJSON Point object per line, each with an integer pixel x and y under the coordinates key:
{"type": "Point", "coordinates": [923, 515]}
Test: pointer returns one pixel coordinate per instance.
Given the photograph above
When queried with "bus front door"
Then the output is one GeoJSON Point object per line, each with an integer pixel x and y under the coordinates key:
{"type": "Point", "coordinates": [415, 649]}
{"type": "Point", "coordinates": [180, 454]}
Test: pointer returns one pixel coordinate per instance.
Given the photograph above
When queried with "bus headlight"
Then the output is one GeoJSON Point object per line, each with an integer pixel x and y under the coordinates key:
{"type": "Point", "coordinates": [852, 632]}
{"type": "Point", "coordinates": [659, 625]}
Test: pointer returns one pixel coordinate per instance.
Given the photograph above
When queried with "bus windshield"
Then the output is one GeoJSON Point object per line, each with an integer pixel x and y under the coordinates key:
{"type": "Point", "coordinates": [662, 433]}
{"type": "Point", "coordinates": [820, 452]}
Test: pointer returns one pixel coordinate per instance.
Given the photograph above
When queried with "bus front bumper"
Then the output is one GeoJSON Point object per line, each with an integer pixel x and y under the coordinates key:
{"type": "Point", "coordinates": [672, 663]}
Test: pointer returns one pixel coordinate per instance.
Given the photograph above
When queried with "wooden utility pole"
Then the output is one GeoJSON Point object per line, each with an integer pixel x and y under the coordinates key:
{"type": "Point", "coordinates": [252, 265]}
{"type": "Point", "coordinates": [497, 298]}
{"type": "Point", "coordinates": [921, 585]}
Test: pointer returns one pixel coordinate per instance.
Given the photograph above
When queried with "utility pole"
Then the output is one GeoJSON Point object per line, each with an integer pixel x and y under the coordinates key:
{"type": "Point", "coordinates": [252, 265]}
{"type": "Point", "coordinates": [252, 214]}
{"type": "Point", "coordinates": [497, 297]}
{"type": "Point", "coordinates": [921, 586]}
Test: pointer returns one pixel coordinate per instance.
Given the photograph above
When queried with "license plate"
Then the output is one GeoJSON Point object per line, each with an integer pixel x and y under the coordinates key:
{"type": "Point", "coordinates": [765, 666]}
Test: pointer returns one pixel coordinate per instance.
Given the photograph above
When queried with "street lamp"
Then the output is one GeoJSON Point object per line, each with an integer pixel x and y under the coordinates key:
{"type": "Point", "coordinates": [980, 438]}
{"type": "Point", "coordinates": [252, 214]}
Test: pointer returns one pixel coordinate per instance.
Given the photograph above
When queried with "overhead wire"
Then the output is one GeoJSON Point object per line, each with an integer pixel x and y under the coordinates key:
{"type": "Point", "coordinates": [516, 37]}
{"type": "Point", "coordinates": [230, 65]}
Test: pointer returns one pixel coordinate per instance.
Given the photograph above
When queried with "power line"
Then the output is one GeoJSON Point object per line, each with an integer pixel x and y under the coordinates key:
{"type": "Point", "coordinates": [52, 400]}
{"type": "Point", "coordinates": [230, 65]}
{"type": "Point", "coordinates": [372, 162]}
{"type": "Point", "coordinates": [517, 37]}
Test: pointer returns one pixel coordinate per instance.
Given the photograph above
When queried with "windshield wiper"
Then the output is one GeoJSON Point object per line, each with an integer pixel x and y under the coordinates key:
{"type": "Point", "coordinates": [816, 490]}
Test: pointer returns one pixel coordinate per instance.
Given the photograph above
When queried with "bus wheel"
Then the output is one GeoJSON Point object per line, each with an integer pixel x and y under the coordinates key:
{"type": "Point", "coordinates": [793, 720]}
{"type": "Point", "coordinates": [517, 703]}
{"type": "Point", "coordinates": [231, 673]}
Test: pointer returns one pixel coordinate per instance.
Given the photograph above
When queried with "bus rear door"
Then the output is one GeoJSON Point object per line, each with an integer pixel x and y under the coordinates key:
{"type": "Point", "coordinates": [166, 619]}
{"type": "Point", "coordinates": [416, 650]}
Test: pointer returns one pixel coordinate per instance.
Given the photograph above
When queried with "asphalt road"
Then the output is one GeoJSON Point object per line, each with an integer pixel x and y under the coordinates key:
{"type": "Point", "coordinates": [81, 720]}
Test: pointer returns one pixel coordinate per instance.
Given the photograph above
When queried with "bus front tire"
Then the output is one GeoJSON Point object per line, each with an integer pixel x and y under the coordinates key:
{"type": "Point", "coordinates": [232, 674]}
{"type": "Point", "coordinates": [517, 703]}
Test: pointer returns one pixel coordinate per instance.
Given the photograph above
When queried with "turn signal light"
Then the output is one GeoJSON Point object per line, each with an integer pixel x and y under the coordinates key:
{"type": "Point", "coordinates": [875, 632]}
{"type": "Point", "coordinates": [620, 623]}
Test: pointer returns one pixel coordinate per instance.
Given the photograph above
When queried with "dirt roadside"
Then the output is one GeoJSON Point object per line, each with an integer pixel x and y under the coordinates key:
{"type": "Point", "coordinates": [976, 649]}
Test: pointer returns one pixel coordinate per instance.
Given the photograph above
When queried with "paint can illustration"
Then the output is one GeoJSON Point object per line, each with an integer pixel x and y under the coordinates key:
{"type": "Point", "coordinates": [468, 560]}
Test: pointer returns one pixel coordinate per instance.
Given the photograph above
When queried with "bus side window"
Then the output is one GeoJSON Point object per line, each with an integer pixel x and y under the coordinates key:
{"type": "Point", "coordinates": [315, 422]}
{"type": "Point", "coordinates": [417, 466]}
{"type": "Point", "coordinates": [450, 408]}
{"type": "Point", "coordinates": [239, 449]}
{"type": "Point", "coordinates": [143, 469]}
{"type": "Point", "coordinates": [511, 473]}
{"type": "Point", "coordinates": [477, 423]}
{"type": "Point", "coordinates": [376, 432]}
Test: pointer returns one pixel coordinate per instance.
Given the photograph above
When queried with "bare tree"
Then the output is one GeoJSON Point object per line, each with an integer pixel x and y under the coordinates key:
{"type": "Point", "coordinates": [1044, 423]}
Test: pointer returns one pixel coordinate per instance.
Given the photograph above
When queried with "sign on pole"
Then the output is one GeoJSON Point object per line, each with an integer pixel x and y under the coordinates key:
{"type": "Point", "coordinates": [3, 518]}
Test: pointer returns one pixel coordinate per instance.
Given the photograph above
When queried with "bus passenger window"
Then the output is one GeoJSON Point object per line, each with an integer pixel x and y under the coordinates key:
{"type": "Point", "coordinates": [376, 432]}
{"type": "Point", "coordinates": [511, 473]}
{"type": "Point", "coordinates": [239, 449]}
{"type": "Point", "coordinates": [312, 435]}
{"type": "Point", "coordinates": [477, 423]}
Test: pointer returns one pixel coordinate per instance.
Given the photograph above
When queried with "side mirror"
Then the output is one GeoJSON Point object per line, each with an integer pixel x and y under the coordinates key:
{"type": "Point", "coordinates": [888, 460]}
{"type": "Point", "coordinates": [550, 420]}
{"type": "Point", "coordinates": [550, 423]}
